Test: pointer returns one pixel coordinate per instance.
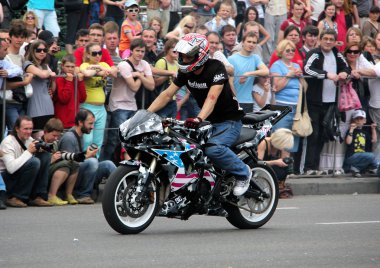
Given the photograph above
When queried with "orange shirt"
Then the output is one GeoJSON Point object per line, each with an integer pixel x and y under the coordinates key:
{"type": "Point", "coordinates": [133, 27]}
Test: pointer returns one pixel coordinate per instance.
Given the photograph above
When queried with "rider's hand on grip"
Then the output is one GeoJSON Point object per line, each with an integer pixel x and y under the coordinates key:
{"type": "Point", "coordinates": [193, 122]}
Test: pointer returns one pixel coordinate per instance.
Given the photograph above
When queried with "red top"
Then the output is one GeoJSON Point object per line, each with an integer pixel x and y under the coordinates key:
{"type": "Point", "coordinates": [342, 29]}
{"type": "Point", "coordinates": [296, 59]}
{"type": "Point", "coordinates": [64, 100]}
{"type": "Point", "coordinates": [106, 57]}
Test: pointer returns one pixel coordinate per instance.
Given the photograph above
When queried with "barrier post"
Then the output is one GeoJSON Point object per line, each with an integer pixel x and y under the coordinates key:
{"type": "Point", "coordinates": [3, 87]}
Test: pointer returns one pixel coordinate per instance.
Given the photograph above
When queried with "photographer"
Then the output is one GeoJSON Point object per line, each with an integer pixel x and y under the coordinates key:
{"type": "Point", "coordinates": [272, 150]}
{"type": "Point", "coordinates": [23, 168]}
{"type": "Point", "coordinates": [90, 171]}
{"type": "Point", "coordinates": [62, 169]}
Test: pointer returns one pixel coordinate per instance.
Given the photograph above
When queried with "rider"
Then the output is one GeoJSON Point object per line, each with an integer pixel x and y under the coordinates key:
{"type": "Point", "coordinates": [207, 80]}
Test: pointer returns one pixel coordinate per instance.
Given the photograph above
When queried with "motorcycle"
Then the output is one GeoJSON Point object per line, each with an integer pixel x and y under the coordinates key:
{"type": "Point", "coordinates": [170, 175]}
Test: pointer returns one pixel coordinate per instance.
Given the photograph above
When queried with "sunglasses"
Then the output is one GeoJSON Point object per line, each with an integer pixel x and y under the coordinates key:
{"type": "Point", "coordinates": [96, 53]}
{"type": "Point", "coordinates": [29, 18]}
{"type": "Point", "coordinates": [39, 50]}
{"type": "Point", "coordinates": [349, 51]}
{"type": "Point", "coordinates": [188, 27]}
{"type": "Point", "coordinates": [290, 50]}
{"type": "Point", "coordinates": [135, 10]}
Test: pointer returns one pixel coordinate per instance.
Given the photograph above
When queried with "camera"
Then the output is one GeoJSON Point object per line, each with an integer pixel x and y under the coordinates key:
{"type": "Point", "coordinates": [78, 157]}
{"type": "Point", "coordinates": [289, 161]}
{"type": "Point", "coordinates": [47, 147]}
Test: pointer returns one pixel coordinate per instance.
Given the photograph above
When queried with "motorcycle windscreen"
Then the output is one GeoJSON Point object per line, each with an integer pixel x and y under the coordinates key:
{"type": "Point", "coordinates": [142, 122]}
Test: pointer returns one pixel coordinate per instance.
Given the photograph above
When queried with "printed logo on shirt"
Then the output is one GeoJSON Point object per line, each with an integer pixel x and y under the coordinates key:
{"type": "Point", "coordinates": [218, 77]}
{"type": "Point", "coordinates": [197, 85]}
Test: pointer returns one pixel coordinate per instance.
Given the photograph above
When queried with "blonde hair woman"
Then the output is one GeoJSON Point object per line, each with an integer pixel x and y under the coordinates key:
{"type": "Point", "coordinates": [30, 20]}
{"type": "Point", "coordinates": [185, 26]}
{"type": "Point", "coordinates": [273, 150]}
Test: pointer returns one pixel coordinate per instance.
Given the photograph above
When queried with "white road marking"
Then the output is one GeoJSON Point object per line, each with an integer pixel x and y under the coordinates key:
{"type": "Point", "coordinates": [288, 208]}
{"type": "Point", "coordinates": [347, 222]}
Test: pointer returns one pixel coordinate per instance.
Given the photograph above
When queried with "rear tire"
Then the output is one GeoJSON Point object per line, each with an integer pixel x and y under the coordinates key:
{"type": "Point", "coordinates": [262, 210]}
{"type": "Point", "coordinates": [123, 213]}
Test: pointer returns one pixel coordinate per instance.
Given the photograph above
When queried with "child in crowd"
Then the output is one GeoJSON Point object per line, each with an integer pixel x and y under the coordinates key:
{"type": "Point", "coordinates": [223, 17]}
{"type": "Point", "coordinates": [64, 99]}
{"type": "Point", "coordinates": [359, 156]}
{"type": "Point", "coordinates": [131, 28]}
{"type": "Point", "coordinates": [261, 92]}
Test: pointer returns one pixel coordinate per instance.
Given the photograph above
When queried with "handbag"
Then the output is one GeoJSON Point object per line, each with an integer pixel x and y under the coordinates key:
{"type": "Point", "coordinates": [301, 122]}
{"type": "Point", "coordinates": [348, 98]}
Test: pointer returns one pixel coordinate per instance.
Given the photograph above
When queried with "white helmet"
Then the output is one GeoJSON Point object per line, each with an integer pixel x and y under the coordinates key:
{"type": "Point", "coordinates": [192, 45]}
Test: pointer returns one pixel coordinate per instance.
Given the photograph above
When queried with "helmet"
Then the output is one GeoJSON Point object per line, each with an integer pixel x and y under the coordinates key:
{"type": "Point", "coordinates": [192, 45]}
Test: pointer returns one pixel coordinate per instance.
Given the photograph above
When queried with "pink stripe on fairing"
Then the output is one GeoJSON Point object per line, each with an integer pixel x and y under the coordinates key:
{"type": "Point", "coordinates": [179, 185]}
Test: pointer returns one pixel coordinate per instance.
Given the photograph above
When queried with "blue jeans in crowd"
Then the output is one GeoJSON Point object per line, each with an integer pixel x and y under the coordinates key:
{"type": "Point", "coordinates": [224, 135]}
{"type": "Point", "coordinates": [30, 180]}
{"type": "Point", "coordinates": [170, 110]}
{"type": "Point", "coordinates": [360, 161]}
{"type": "Point", "coordinates": [2, 184]}
{"type": "Point", "coordinates": [117, 118]}
{"type": "Point", "coordinates": [90, 172]}
{"type": "Point", "coordinates": [189, 109]}
{"type": "Point", "coordinates": [12, 112]}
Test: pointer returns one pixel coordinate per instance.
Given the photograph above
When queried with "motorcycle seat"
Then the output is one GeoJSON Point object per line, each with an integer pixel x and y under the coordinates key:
{"type": "Point", "coordinates": [246, 134]}
{"type": "Point", "coordinates": [256, 117]}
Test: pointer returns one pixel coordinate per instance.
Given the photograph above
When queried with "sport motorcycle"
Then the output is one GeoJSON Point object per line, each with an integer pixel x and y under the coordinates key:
{"type": "Point", "coordinates": [169, 174]}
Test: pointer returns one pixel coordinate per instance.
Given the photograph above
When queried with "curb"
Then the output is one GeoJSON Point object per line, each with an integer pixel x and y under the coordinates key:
{"type": "Point", "coordinates": [336, 185]}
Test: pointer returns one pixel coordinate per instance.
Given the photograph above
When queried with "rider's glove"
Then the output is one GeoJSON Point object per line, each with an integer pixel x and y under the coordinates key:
{"type": "Point", "coordinates": [193, 122]}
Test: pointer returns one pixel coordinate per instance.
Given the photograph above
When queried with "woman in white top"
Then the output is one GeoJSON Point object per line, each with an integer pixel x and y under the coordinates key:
{"type": "Point", "coordinates": [185, 26]}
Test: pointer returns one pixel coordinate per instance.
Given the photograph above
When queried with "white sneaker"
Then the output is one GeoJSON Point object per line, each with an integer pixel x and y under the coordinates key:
{"type": "Point", "coordinates": [242, 186]}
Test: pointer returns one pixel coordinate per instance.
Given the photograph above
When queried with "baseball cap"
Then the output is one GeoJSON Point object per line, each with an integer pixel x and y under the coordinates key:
{"type": "Point", "coordinates": [358, 113]}
{"type": "Point", "coordinates": [46, 36]}
{"type": "Point", "coordinates": [130, 3]}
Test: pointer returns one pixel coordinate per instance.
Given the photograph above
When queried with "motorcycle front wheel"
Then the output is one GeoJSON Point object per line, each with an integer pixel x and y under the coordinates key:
{"type": "Point", "coordinates": [125, 213]}
{"type": "Point", "coordinates": [252, 213]}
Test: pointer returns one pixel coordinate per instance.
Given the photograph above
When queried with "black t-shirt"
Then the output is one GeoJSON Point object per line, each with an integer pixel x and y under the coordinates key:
{"type": "Point", "coordinates": [213, 73]}
{"type": "Point", "coordinates": [361, 141]}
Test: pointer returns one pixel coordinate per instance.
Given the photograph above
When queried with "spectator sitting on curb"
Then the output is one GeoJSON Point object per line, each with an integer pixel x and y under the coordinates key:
{"type": "Point", "coordinates": [91, 171]}
{"type": "Point", "coordinates": [24, 167]}
{"type": "Point", "coordinates": [359, 156]}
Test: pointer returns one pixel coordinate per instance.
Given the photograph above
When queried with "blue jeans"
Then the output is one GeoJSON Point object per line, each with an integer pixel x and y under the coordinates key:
{"type": "Point", "coordinates": [91, 171]}
{"type": "Point", "coordinates": [2, 184]}
{"type": "Point", "coordinates": [117, 118]}
{"type": "Point", "coordinates": [189, 109]}
{"type": "Point", "coordinates": [287, 122]}
{"type": "Point", "coordinates": [170, 110]}
{"type": "Point", "coordinates": [30, 180]}
{"type": "Point", "coordinates": [360, 161]}
{"type": "Point", "coordinates": [224, 135]}
{"type": "Point", "coordinates": [12, 112]}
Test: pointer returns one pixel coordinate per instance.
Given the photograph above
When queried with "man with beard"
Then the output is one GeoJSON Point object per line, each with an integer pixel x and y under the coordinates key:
{"type": "Point", "coordinates": [91, 171]}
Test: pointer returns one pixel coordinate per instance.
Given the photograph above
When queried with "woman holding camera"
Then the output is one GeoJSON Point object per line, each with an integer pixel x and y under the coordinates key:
{"type": "Point", "coordinates": [273, 151]}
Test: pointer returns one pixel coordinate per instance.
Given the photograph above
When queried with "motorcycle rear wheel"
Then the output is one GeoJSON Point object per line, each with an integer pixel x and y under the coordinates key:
{"type": "Point", "coordinates": [260, 211]}
{"type": "Point", "coordinates": [122, 211]}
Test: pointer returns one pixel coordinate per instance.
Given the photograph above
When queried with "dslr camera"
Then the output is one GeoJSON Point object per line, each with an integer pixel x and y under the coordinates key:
{"type": "Point", "coordinates": [77, 157]}
{"type": "Point", "coordinates": [47, 147]}
{"type": "Point", "coordinates": [289, 161]}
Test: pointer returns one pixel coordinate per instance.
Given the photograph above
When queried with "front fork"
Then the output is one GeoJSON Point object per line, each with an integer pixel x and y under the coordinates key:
{"type": "Point", "coordinates": [146, 175]}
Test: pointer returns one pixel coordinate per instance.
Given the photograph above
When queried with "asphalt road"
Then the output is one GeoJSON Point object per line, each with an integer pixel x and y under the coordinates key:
{"type": "Point", "coordinates": [306, 231]}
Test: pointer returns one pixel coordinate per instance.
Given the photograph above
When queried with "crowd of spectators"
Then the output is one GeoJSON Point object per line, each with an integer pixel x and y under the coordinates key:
{"type": "Point", "coordinates": [116, 62]}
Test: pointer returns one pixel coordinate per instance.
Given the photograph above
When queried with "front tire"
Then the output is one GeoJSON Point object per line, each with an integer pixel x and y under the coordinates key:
{"type": "Point", "coordinates": [259, 212]}
{"type": "Point", "coordinates": [122, 211]}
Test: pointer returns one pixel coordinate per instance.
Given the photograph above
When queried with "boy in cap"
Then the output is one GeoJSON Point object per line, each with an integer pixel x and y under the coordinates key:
{"type": "Point", "coordinates": [359, 140]}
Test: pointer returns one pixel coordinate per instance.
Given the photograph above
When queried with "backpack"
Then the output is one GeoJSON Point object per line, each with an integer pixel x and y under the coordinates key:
{"type": "Point", "coordinates": [15, 4]}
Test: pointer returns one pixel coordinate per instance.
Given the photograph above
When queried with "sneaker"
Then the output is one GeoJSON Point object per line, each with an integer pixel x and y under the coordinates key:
{"type": "Point", "coordinates": [39, 202]}
{"type": "Point", "coordinates": [311, 172]}
{"type": "Point", "coordinates": [56, 201]}
{"type": "Point", "coordinates": [372, 171]}
{"type": "Point", "coordinates": [242, 186]}
{"type": "Point", "coordinates": [356, 174]}
{"type": "Point", "coordinates": [86, 200]}
{"type": "Point", "coordinates": [71, 200]}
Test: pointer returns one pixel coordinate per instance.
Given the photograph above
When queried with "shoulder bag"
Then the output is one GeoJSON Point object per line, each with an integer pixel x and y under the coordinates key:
{"type": "Point", "coordinates": [301, 122]}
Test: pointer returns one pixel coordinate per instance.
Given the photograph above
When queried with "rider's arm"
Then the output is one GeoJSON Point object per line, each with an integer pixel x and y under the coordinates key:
{"type": "Point", "coordinates": [210, 101]}
{"type": "Point", "coordinates": [163, 98]}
